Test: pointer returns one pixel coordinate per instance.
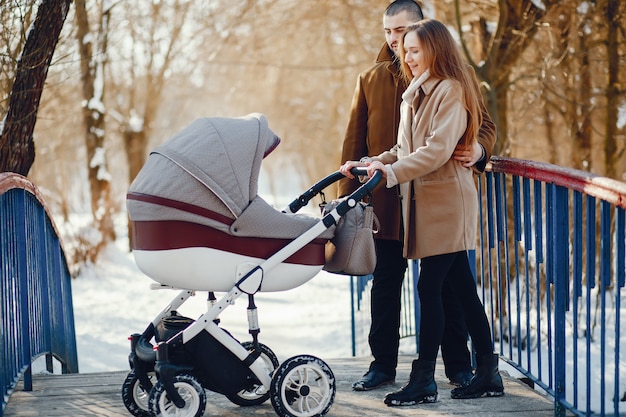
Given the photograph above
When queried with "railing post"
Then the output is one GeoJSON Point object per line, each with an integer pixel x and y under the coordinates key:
{"type": "Point", "coordinates": [605, 283]}
{"type": "Point", "coordinates": [561, 280]}
{"type": "Point", "coordinates": [23, 292]}
{"type": "Point", "coordinates": [353, 313]}
{"type": "Point", "coordinates": [46, 276]}
{"type": "Point", "coordinates": [620, 278]}
{"type": "Point", "coordinates": [414, 265]}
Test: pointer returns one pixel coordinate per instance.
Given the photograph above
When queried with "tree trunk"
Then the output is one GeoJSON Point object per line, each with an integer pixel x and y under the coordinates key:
{"type": "Point", "coordinates": [581, 117]}
{"type": "Point", "coordinates": [17, 148]}
{"type": "Point", "coordinates": [92, 77]}
{"type": "Point", "coordinates": [611, 14]}
{"type": "Point", "coordinates": [135, 143]}
{"type": "Point", "coordinates": [550, 137]}
{"type": "Point", "coordinates": [500, 52]}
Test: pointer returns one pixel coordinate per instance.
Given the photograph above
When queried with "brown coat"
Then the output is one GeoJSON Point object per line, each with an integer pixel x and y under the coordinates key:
{"type": "Point", "coordinates": [439, 196]}
{"type": "Point", "coordinates": [373, 129]}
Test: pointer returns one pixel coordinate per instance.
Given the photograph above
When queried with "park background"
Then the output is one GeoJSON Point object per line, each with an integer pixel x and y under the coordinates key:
{"type": "Point", "coordinates": [125, 76]}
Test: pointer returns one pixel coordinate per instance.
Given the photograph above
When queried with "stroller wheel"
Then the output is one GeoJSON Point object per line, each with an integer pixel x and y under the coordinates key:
{"type": "Point", "coordinates": [189, 388]}
{"type": "Point", "coordinates": [303, 386]}
{"type": "Point", "coordinates": [135, 397]}
{"type": "Point", "coordinates": [256, 394]}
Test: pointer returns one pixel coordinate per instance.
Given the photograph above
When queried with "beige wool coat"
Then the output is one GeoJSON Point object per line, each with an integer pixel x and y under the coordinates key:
{"type": "Point", "coordinates": [373, 128]}
{"type": "Point", "coordinates": [438, 195]}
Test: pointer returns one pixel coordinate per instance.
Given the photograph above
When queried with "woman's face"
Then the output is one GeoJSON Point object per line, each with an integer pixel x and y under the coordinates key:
{"type": "Point", "coordinates": [414, 54]}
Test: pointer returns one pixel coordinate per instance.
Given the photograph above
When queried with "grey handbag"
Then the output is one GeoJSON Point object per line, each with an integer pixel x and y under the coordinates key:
{"type": "Point", "coordinates": [352, 250]}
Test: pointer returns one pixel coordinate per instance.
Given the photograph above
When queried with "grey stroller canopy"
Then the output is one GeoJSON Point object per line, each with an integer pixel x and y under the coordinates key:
{"type": "Point", "coordinates": [208, 174]}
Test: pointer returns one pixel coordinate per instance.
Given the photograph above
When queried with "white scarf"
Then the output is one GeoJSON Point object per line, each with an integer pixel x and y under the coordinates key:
{"type": "Point", "coordinates": [409, 94]}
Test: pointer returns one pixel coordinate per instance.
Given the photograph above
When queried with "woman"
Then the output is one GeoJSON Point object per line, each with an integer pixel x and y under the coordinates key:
{"type": "Point", "coordinates": [440, 109]}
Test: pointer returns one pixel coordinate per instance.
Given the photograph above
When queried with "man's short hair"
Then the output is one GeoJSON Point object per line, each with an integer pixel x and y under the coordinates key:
{"type": "Point", "coordinates": [410, 6]}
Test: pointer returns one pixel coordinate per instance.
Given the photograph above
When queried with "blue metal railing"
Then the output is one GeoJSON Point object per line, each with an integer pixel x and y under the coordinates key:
{"type": "Point", "coordinates": [550, 267]}
{"type": "Point", "coordinates": [36, 313]}
{"type": "Point", "coordinates": [360, 287]}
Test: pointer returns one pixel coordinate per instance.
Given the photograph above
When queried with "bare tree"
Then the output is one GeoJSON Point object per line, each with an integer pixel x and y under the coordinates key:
{"type": "Point", "coordinates": [580, 56]}
{"type": "Point", "coordinates": [581, 103]}
{"type": "Point", "coordinates": [154, 44]}
{"type": "Point", "coordinates": [15, 19]}
{"type": "Point", "coordinates": [300, 70]}
{"type": "Point", "coordinates": [152, 56]}
{"type": "Point", "coordinates": [558, 69]}
{"type": "Point", "coordinates": [171, 61]}
{"type": "Point", "coordinates": [92, 46]}
{"type": "Point", "coordinates": [500, 50]}
{"type": "Point", "coordinates": [614, 12]}
{"type": "Point", "coordinates": [17, 149]}
{"type": "Point", "coordinates": [566, 79]}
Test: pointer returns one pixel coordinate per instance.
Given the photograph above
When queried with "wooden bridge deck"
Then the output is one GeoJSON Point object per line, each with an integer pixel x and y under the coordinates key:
{"type": "Point", "coordinates": [99, 394]}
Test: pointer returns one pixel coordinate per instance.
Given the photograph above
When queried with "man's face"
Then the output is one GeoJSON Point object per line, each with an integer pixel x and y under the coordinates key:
{"type": "Point", "coordinates": [394, 28]}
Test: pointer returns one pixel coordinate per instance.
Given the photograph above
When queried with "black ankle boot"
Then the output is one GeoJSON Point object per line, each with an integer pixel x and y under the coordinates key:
{"type": "Point", "coordinates": [485, 383]}
{"type": "Point", "coordinates": [421, 387]}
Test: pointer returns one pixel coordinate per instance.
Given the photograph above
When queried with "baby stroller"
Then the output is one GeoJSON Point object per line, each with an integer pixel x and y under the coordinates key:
{"type": "Point", "coordinates": [199, 225]}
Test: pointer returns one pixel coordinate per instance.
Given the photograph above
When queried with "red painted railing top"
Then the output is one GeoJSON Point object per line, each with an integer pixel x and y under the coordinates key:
{"type": "Point", "coordinates": [607, 189]}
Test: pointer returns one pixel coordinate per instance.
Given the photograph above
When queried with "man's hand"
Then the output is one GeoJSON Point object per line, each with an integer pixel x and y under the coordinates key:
{"type": "Point", "coordinates": [468, 157]}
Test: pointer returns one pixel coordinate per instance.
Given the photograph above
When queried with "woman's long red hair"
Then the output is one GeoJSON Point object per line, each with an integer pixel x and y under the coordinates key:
{"type": "Point", "coordinates": [445, 62]}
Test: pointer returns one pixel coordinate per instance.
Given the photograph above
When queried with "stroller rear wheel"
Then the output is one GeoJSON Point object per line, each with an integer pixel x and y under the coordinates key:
{"type": "Point", "coordinates": [189, 388]}
{"type": "Point", "coordinates": [256, 394]}
{"type": "Point", "coordinates": [135, 397]}
{"type": "Point", "coordinates": [303, 386]}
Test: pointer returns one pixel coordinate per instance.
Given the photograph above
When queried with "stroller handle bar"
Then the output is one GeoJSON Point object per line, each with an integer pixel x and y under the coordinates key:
{"type": "Point", "coordinates": [358, 195]}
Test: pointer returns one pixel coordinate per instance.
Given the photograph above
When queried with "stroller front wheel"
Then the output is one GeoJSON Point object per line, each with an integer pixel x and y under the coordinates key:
{"type": "Point", "coordinates": [303, 386]}
{"type": "Point", "coordinates": [191, 391]}
{"type": "Point", "coordinates": [134, 396]}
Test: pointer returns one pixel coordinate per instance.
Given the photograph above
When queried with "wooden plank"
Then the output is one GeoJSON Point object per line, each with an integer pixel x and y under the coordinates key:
{"type": "Point", "coordinates": [99, 394]}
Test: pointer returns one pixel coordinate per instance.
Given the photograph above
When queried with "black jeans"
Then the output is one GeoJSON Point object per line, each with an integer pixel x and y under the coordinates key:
{"type": "Point", "coordinates": [384, 336]}
{"type": "Point", "coordinates": [454, 351]}
{"type": "Point", "coordinates": [447, 271]}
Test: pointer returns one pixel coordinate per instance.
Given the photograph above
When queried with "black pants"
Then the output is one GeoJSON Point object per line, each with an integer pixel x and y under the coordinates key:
{"type": "Point", "coordinates": [454, 351]}
{"type": "Point", "coordinates": [384, 336]}
{"type": "Point", "coordinates": [438, 274]}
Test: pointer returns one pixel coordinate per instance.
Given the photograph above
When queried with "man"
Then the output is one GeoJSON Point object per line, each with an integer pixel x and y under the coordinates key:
{"type": "Point", "coordinates": [372, 129]}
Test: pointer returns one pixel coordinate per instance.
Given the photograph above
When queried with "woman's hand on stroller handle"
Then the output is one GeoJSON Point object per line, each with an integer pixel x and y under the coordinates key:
{"type": "Point", "coordinates": [366, 168]}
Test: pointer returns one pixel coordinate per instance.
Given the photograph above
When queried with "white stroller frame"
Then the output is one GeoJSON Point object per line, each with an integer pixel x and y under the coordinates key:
{"type": "Point", "coordinates": [249, 283]}
{"type": "Point", "coordinates": [250, 278]}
